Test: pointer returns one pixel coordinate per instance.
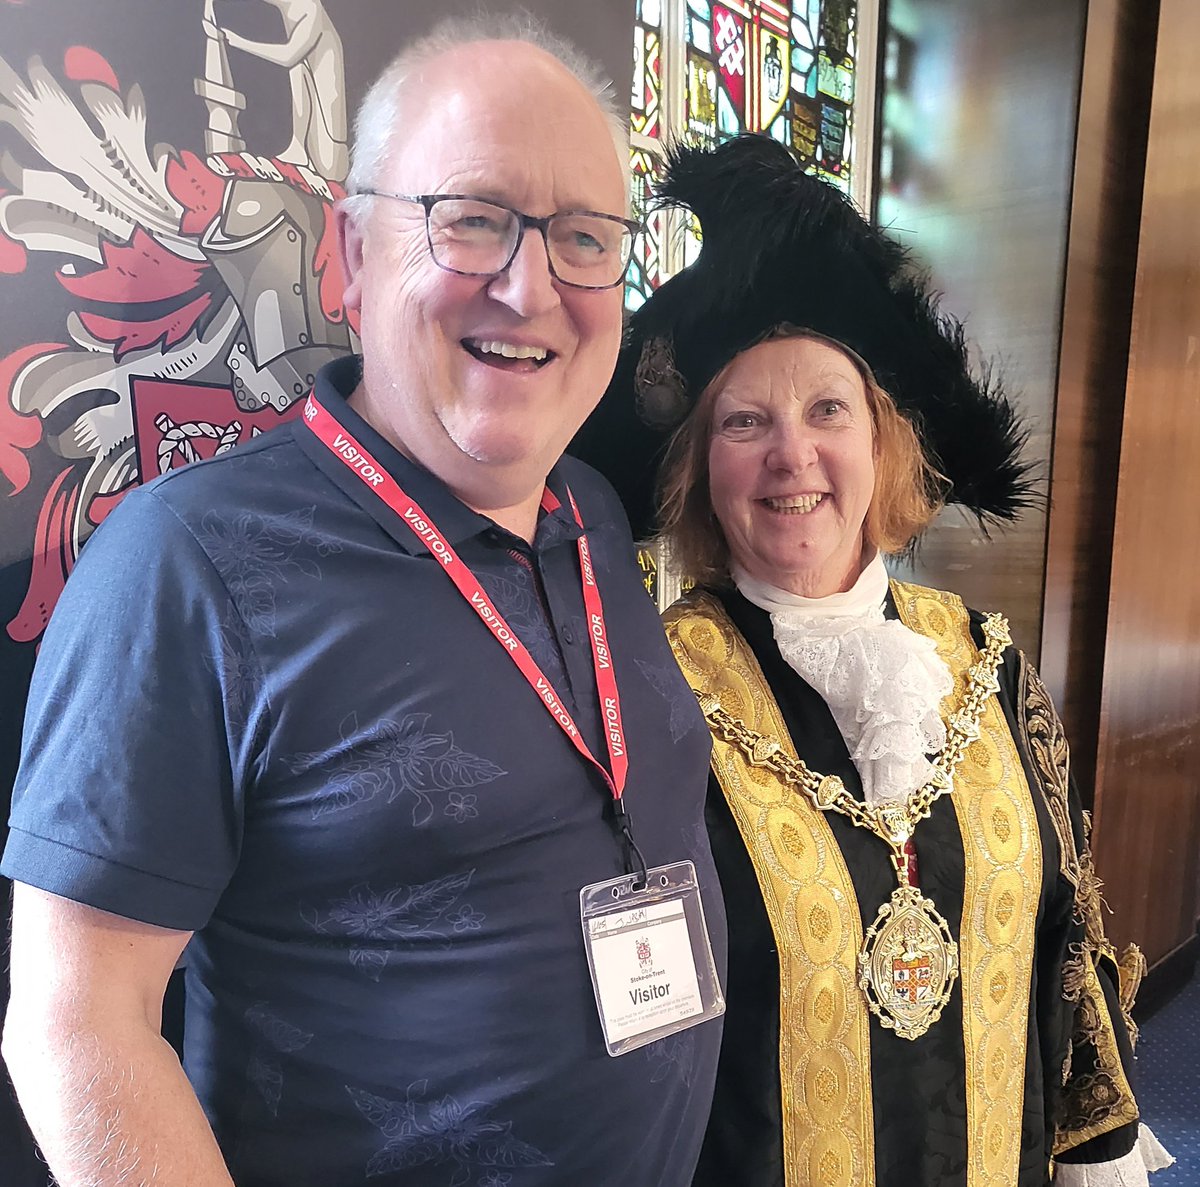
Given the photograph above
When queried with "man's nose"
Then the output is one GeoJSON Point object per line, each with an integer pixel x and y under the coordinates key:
{"type": "Point", "coordinates": [527, 285]}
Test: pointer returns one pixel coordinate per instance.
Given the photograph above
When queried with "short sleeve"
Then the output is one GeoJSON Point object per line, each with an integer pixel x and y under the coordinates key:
{"type": "Point", "coordinates": [140, 728]}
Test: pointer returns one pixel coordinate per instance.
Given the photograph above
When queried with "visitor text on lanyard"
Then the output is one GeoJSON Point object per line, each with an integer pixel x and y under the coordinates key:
{"type": "Point", "coordinates": [348, 450]}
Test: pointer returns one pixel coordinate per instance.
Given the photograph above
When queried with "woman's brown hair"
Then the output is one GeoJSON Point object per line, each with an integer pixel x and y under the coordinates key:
{"type": "Point", "coordinates": [907, 488]}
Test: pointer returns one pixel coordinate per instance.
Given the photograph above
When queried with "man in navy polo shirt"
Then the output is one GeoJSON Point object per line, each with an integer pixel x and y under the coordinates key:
{"type": "Point", "coordinates": [343, 713]}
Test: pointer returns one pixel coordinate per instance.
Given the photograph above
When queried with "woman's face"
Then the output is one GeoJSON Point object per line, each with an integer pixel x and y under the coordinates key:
{"type": "Point", "coordinates": [791, 464]}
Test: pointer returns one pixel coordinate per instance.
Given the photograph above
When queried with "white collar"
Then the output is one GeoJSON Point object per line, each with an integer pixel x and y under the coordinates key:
{"type": "Point", "coordinates": [862, 599]}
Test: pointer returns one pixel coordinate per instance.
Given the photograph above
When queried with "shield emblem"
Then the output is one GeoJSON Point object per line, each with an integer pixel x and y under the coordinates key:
{"type": "Point", "coordinates": [912, 978]}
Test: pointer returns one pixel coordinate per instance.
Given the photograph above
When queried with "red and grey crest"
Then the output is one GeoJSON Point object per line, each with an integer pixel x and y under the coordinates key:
{"type": "Point", "coordinates": [201, 282]}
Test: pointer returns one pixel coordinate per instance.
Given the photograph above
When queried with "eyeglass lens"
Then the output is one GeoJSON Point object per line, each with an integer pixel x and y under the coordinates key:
{"type": "Point", "coordinates": [467, 235]}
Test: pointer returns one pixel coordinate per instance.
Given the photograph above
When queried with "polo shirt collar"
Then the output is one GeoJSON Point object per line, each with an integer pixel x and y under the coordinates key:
{"type": "Point", "coordinates": [454, 519]}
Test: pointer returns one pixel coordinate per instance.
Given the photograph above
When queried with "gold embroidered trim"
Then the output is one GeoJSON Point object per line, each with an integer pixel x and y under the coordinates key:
{"type": "Point", "coordinates": [824, 1056]}
{"type": "Point", "coordinates": [1052, 763]}
{"type": "Point", "coordinates": [1003, 861]}
{"type": "Point", "coordinates": [1097, 1097]}
{"type": "Point", "coordinates": [893, 823]}
{"type": "Point", "coordinates": [1098, 1100]}
{"type": "Point", "coordinates": [1131, 970]}
{"type": "Point", "coordinates": [1089, 908]}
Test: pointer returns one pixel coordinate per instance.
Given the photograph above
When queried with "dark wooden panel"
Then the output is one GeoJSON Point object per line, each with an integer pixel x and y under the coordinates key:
{"type": "Point", "coordinates": [1168, 978]}
{"type": "Point", "coordinates": [978, 134]}
{"type": "Point", "coordinates": [1148, 786]}
{"type": "Point", "coordinates": [1110, 157]}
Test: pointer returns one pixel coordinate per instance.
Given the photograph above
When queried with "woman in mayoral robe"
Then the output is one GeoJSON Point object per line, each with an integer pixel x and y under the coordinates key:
{"type": "Point", "coordinates": [920, 991]}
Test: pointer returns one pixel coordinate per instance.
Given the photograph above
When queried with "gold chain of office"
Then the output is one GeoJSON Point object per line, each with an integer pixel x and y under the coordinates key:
{"type": "Point", "coordinates": [909, 961]}
{"type": "Point", "coordinates": [893, 823]}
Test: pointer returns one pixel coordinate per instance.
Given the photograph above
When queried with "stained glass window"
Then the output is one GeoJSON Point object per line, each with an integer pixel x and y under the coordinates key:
{"type": "Point", "coordinates": [787, 69]}
{"type": "Point", "coordinates": [645, 146]}
{"type": "Point", "coordinates": [705, 71]}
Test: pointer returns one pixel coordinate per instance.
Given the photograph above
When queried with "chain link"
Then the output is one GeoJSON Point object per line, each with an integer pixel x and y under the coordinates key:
{"type": "Point", "coordinates": [893, 823]}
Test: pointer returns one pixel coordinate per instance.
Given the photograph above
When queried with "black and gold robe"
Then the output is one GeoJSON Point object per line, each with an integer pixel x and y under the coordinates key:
{"type": "Point", "coordinates": [1029, 1059]}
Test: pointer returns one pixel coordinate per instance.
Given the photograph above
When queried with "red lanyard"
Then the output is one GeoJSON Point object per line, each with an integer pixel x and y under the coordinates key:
{"type": "Point", "coordinates": [344, 447]}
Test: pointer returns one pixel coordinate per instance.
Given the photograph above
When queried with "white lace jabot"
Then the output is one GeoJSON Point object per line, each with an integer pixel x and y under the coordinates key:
{"type": "Point", "coordinates": [883, 683]}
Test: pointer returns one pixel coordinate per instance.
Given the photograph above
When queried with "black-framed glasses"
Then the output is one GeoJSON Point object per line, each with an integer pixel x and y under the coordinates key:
{"type": "Point", "coordinates": [475, 237]}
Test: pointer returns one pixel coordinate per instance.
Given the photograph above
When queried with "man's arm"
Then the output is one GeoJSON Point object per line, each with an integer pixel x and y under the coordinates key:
{"type": "Point", "coordinates": [102, 1090]}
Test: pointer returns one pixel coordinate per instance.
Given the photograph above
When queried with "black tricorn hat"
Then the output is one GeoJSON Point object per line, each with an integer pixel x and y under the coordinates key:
{"type": "Point", "coordinates": [782, 247]}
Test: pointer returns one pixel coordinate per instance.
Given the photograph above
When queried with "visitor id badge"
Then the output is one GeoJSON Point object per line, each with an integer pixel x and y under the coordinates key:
{"type": "Point", "coordinates": [649, 955]}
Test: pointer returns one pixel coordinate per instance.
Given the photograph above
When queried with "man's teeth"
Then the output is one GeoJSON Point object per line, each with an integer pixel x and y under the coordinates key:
{"type": "Point", "coordinates": [510, 351]}
{"type": "Point", "coordinates": [801, 503]}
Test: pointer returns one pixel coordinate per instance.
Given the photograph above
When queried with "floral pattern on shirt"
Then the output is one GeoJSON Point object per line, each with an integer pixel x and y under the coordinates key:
{"type": "Point", "coordinates": [395, 758]}
{"type": "Point", "coordinates": [516, 595]}
{"type": "Point", "coordinates": [271, 1037]}
{"type": "Point", "coordinates": [672, 1058]}
{"type": "Point", "coordinates": [254, 555]}
{"type": "Point", "coordinates": [669, 684]}
{"type": "Point", "coordinates": [421, 1131]}
{"type": "Point", "coordinates": [384, 921]}
{"type": "Point", "coordinates": [236, 666]}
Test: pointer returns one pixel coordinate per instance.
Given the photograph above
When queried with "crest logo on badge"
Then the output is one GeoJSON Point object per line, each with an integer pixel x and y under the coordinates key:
{"type": "Point", "coordinates": [643, 952]}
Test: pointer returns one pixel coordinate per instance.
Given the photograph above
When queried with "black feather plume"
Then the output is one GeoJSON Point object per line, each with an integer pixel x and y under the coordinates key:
{"type": "Point", "coordinates": [780, 246]}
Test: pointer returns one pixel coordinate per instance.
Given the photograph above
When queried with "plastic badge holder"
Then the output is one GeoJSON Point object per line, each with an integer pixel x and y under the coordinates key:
{"type": "Point", "coordinates": [649, 955]}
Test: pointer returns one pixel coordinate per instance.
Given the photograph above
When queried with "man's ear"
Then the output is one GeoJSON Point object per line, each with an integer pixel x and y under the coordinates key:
{"type": "Point", "coordinates": [351, 238]}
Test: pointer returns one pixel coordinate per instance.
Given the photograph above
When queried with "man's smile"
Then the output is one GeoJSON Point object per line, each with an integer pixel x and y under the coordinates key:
{"type": "Point", "coordinates": [508, 356]}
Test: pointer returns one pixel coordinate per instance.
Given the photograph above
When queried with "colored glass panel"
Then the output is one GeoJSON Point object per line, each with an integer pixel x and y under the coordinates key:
{"type": "Point", "coordinates": [784, 67]}
{"type": "Point", "coordinates": [729, 41]}
{"type": "Point", "coordinates": [802, 64]}
{"type": "Point", "coordinates": [646, 264]}
{"type": "Point", "coordinates": [802, 33]}
{"type": "Point", "coordinates": [774, 77]}
{"type": "Point", "coordinates": [701, 98]}
{"type": "Point", "coordinates": [836, 27]}
{"type": "Point", "coordinates": [806, 131]}
{"type": "Point", "coordinates": [649, 12]}
{"type": "Point", "coordinates": [833, 148]}
{"type": "Point", "coordinates": [835, 80]}
{"type": "Point", "coordinates": [728, 123]}
{"type": "Point", "coordinates": [691, 238]}
{"type": "Point", "coordinates": [647, 82]}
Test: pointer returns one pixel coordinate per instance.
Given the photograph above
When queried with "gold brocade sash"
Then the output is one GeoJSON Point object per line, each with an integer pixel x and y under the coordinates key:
{"type": "Point", "coordinates": [1003, 852]}
{"type": "Point", "coordinates": [824, 1045]}
{"type": "Point", "coordinates": [824, 1057]}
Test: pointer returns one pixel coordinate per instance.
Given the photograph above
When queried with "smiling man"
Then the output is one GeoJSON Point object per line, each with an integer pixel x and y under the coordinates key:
{"type": "Point", "coordinates": [390, 700]}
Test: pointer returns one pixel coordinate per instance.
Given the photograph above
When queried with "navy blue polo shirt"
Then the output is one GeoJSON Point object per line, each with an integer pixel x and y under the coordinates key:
{"type": "Point", "coordinates": [263, 713]}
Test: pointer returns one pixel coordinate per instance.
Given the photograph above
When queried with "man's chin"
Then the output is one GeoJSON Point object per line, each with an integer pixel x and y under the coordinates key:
{"type": "Point", "coordinates": [504, 447]}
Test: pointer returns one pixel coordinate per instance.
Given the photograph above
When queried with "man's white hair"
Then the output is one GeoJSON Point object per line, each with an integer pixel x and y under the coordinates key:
{"type": "Point", "coordinates": [377, 124]}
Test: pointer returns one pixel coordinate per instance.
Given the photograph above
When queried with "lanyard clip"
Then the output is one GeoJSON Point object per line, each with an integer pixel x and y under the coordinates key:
{"type": "Point", "coordinates": [629, 846]}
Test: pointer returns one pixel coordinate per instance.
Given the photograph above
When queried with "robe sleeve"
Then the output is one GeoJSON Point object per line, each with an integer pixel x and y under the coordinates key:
{"type": "Point", "coordinates": [1096, 1120]}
